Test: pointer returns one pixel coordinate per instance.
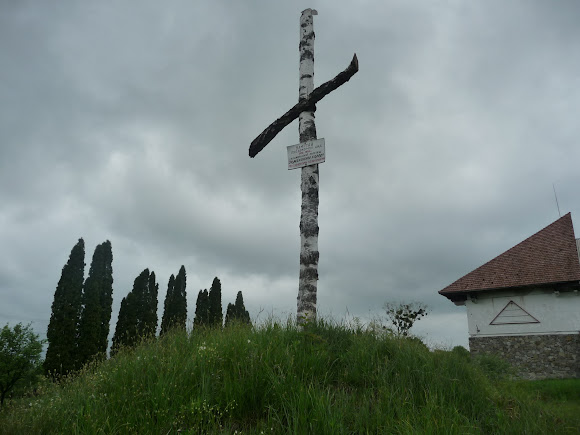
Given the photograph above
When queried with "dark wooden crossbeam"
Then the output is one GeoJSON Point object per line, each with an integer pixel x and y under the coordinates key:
{"type": "Point", "coordinates": [307, 104]}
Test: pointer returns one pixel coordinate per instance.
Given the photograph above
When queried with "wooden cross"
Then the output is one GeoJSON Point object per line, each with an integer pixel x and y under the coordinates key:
{"type": "Point", "coordinates": [304, 110]}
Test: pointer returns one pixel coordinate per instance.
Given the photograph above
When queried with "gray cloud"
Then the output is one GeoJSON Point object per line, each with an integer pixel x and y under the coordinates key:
{"type": "Point", "coordinates": [133, 124]}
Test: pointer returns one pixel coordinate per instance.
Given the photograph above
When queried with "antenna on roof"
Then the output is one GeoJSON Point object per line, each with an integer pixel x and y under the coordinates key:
{"type": "Point", "coordinates": [556, 196]}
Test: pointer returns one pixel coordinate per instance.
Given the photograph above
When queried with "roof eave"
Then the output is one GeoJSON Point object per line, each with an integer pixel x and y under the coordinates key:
{"type": "Point", "coordinates": [560, 286]}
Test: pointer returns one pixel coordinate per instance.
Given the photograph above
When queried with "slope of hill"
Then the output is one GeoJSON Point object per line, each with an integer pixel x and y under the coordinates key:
{"type": "Point", "coordinates": [328, 379]}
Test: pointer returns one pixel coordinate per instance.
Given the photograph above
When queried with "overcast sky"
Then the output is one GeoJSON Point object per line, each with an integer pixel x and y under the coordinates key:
{"type": "Point", "coordinates": [131, 121]}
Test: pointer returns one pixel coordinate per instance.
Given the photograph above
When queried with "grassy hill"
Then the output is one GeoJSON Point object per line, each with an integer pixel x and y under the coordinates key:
{"type": "Point", "coordinates": [328, 379]}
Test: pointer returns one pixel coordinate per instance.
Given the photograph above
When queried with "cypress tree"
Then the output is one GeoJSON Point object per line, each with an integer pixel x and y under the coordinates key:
{"type": "Point", "coordinates": [139, 301]}
{"type": "Point", "coordinates": [241, 312]}
{"type": "Point", "coordinates": [106, 299]}
{"type": "Point", "coordinates": [216, 316]}
{"type": "Point", "coordinates": [147, 325]}
{"type": "Point", "coordinates": [180, 311]}
{"type": "Point", "coordinates": [138, 312]}
{"type": "Point", "coordinates": [97, 304]}
{"type": "Point", "coordinates": [230, 315]}
{"type": "Point", "coordinates": [237, 312]}
{"type": "Point", "coordinates": [126, 330]}
{"type": "Point", "coordinates": [66, 307]}
{"type": "Point", "coordinates": [202, 309]}
{"type": "Point", "coordinates": [175, 308]}
{"type": "Point", "coordinates": [167, 320]}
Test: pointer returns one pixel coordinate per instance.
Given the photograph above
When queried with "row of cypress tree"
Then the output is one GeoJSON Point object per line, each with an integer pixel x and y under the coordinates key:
{"type": "Point", "coordinates": [79, 324]}
{"type": "Point", "coordinates": [208, 308]}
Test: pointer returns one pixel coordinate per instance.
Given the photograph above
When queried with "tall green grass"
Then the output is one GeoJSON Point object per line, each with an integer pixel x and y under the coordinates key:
{"type": "Point", "coordinates": [561, 397]}
{"type": "Point", "coordinates": [327, 379]}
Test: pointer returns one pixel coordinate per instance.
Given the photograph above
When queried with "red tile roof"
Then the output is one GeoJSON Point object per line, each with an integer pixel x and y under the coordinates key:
{"type": "Point", "coordinates": [549, 256]}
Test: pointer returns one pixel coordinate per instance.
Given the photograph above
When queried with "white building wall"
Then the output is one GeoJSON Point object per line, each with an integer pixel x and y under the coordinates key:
{"type": "Point", "coordinates": [556, 314]}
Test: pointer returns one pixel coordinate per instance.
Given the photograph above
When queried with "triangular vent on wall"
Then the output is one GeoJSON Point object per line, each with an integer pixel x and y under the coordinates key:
{"type": "Point", "coordinates": [513, 314]}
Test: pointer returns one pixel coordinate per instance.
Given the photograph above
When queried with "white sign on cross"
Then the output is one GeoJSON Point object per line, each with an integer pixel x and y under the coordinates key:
{"type": "Point", "coordinates": [305, 154]}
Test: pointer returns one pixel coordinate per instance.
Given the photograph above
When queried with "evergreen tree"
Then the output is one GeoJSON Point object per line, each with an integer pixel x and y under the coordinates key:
{"type": "Point", "coordinates": [126, 330]}
{"type": "Point", "coordinates": [202, 309]}
{"type": "Point", "coordinates": [147, 325]}
{"type": "Point", "coordinates": [167, 319]}
{"type": "Point", "coordinates": [175, 308]}
{"type": "Point", "coordinates": [237, 312]}
{"type": "Point", "coordinates": [230, 315]}
{"type": "Point", "coordinates": [241, 312]}
{"type": "Point", "coordinates": [138, 312]}
{"type": "Point", "coordinates": [180, 311]}
{"type": "Point", "coordinates": [106, 300]}
{"type": "Point", "coordinates": [66, 307]}
{"type": "Point", "coordinates": [97, 304]}
{"type": "Point", "coordinates": [216, 316]}
{"type": "Point", "coordinates": [139, 302]}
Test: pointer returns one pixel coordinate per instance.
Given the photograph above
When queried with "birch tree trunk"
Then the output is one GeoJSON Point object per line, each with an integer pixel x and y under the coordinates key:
{"type": "Point", "coordinates": [307, 286]}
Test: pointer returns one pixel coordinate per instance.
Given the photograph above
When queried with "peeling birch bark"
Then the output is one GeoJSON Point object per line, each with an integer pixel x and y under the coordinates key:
{"type": "Point", "coordinates": [308, 280]}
